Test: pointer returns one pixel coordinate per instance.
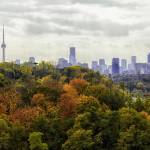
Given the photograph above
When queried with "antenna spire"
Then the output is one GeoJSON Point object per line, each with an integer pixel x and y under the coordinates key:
{"type": "Point", "coordinates": [3, 46]}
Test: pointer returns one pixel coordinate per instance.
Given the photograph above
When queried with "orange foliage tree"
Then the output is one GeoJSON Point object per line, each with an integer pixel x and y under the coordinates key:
{"type": "Point", "coordinates": [26, 115]}
{"type": "Point", "coordinates": [9, 100]}
{"type": "Point", "coordinates": [68, 101]}
{"type": "Point", "coordinates": [79, 85]}
{"type": "Point", "coordinates": [38, 99]}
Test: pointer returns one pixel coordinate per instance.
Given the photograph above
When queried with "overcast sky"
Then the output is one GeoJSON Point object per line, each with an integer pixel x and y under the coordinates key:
{"type": "Point", "coordinates": [46, 29]}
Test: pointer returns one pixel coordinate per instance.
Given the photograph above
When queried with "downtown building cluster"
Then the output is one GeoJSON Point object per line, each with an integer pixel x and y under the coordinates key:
{"type": "Point", "coordinates": [63, 63]}
{"type": "Point", "coordinates": [121, 66]}
{"type": "Point", "coordinates": [118, 66]}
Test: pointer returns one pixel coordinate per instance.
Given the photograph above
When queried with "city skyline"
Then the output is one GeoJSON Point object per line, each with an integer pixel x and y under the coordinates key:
{"type": "Point", "coordinates": [106, 28]}
{"type": "Point", "coordinates": [118, 66]}
{"type": "Point", "coordinates": [72, 59]}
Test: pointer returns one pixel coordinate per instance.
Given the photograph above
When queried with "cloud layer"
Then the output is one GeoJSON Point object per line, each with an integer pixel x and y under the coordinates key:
{"type": "Point", "coordinates": [102, 28]}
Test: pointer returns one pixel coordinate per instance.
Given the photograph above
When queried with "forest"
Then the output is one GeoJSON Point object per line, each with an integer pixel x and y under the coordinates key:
{"type": "Point", "coordinates": [44, 108]}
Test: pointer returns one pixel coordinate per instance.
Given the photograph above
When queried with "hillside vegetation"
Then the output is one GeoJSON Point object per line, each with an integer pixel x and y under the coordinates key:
{"type": "Point", "coordinates": [43, 108]}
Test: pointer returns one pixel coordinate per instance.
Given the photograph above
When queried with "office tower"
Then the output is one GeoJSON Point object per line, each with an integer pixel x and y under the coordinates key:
{"type": "Point", "coordinates": [72, 56]}
{"type": "Point", "coordinates": [132, 68]}
{"type": "Point", "coordinates": [32, 60]}
{"type": "Point", "coordinates": [95, 66]}
{"type": "Point", "coordinates": [109, 69]}
{"type": "Point", "coordinates": [83, 65]}
{"type": "Point", "coordinates": [133, 60]}
{"type": "Point", "coordinates": [115, 66]}
{"type": "Point", "coordinates": [17, 61]}
{"type": "Point", "coordinates": [101, 61]}
{"type": "Point", "coordinates": [3, 46]}
{"type": "Point", "coordinates": [148, 58]}
{"type": "Point", "coordinates": [148, 68]}
{"type": "Point", "coordinates": [102, 66]}
{"type": "Point", "coordinates": [148, 64]}
{"type": "Point", "coordinates": [123, 67]}
{"type": "Point", "coordinates": [141, 68]}
{"type": "Point", "coordinates": [124, 64]}
{"type": "Point", "coordinates": [62, 63]}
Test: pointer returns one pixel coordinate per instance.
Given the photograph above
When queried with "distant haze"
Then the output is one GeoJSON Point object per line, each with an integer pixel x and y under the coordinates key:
{"type": "Point", "coordinates": [46, 29]}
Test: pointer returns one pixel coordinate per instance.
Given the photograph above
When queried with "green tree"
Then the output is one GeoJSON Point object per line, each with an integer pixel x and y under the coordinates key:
{"type": "Point", "coordinates": [35, 140]}
{"type": "Point", "coordinates": [79, 140]}
{"type": "Point", "coordinates": [134, 138]}
{"type": "Point", "coordinates": [4, 135]}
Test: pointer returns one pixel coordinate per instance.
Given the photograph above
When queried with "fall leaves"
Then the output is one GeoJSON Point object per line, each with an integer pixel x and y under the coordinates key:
{"type": "Point", "coordinates": [70, 99]}
{"type": "Point", "coordinates": [71, 109]}
{"type": "Point", "coordinates": [10, 101]}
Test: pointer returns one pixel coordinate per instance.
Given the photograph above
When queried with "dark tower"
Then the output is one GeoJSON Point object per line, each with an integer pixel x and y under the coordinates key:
{"type": "Point", "coordinates": [3, 46]}
{"type": "Point", "coordinates": [72, 56]}
{"type": "Point", "coordinates": [148, 58]}
{"type": "Point", "coordinates": [115, 66]}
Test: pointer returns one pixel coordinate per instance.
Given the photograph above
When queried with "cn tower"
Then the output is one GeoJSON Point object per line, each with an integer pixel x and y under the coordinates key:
{"type": "Point", "coordinates": [3, 46]}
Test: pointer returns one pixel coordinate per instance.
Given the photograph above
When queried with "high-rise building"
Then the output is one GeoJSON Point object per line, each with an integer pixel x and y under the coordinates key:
{"type": "Point", "coordinates": [32, 60]}
{"type": "Point", "coordinates": [62, 63]}
{"type": "Point", "coordinates": [72, 56]}
{"type": "Point", "coordinates": [3, 46]}
{"type": "Point", "coordinates": [17, 61]}
{"type": "Point", "coordinates": [123, 67]}
{"type": "Point", "coordinates": [101, 61]}
{"type": "Point", "coordinates": [132, 65]}
{"type": "Point", "coordinates": [95, 66]}
{"type": "Point", "coordinates": [133, 60]}
{"type": "Point", "coordinates": [148, 58]}
{"type": "Point", "coordinates": [141, 68]}
{"type": "Point", "coordinates": [102, 66]}
{"type": "Point", "coordinates": [83, 65]}
{"type": "Point", "coordinates": [124, 63]}
{"type": "Point", "coordinates": [115, 66]}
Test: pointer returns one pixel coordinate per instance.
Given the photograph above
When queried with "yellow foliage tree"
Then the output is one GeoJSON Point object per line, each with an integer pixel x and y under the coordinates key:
{"type": "Point", "coordinates": [9, 99]}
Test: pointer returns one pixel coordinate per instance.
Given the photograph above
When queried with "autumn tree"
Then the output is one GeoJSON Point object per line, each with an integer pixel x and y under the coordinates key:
{"type": "Point", "coordinates": [4, 135]}
{"type": "Point", "coordinates": [51, 88]}
{"type": "Point", "coordinates": [79, 85]}
{"type": "Point", "coordinates": [67, 105]}
{"type": "Point", "coordinates": [68, 101]}
{"type": "Point", "coordinates": [25, 116]}
{"type": "Point", "coordinates": [35, 140]}
{"type": "Point", "coordinates": [38, 100]}
{"type": "Point", "coordinates": [79, 140]}
{"type": "Point", "coordinates": [113, 97]}
{"type": "Point", "coordinates": [9, 100]}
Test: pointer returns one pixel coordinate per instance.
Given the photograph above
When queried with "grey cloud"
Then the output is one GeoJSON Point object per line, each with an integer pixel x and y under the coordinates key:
{"type": "Point", "coordinates": [107, 27]}
{"type": "Point", "coordinates": [105, 2]}
{"type": "Point", "coordinates": [45, 16]}
{"type": "Point", "coordinates": [74, 26]}
{"type": "Point", "coordinates": [109, 3]}
{"type": "Point", "coordinates": [45, 28]}
{"type": "Point", "coordinates": [15, 8]}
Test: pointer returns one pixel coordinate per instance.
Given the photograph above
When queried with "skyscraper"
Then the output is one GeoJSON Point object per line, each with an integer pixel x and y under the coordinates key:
{"type": "Point", "coordinates": [62, 63]}
{"type": "Point", "coordinates": [124, 63]}
{"type": "Point", "coordinates": [101, 61]}
{"type": "Point", "coordinates": [123, 67]}
{"type": "Point", "coordinates": [132, 65]}
{"type": "Point", "coordinates": [17, 61]}
{"type": "Point", "coordinates": [3, 46]}
{"type": "Point", "coordinates": [72, 56]}
{"type": "Point", "coordinates": [102, 66]}
{"type": "Point", "coordinates": [115, 66]}
{"type": "Point", "coordinates": [95, 65]}
{"type": "Point", "coordinates": [133, 60]}
{"type": "Point", "coordinates": [31, 60]}
{"type": "Point", "coordinates": [148, 58]}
